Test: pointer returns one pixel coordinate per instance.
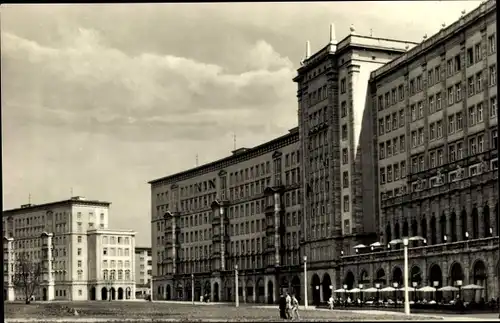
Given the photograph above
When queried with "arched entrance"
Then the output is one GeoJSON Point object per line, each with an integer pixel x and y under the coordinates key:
{"type": "Point", "coordinates": [364, 278]}
{"type": "Point", "coordinates": [104, 294]}
{"type": "Point", "coordinates": [397, 276]}
{"type": "Point", "coordinates": [179, 289]}
{"type": "Point", "coordinates": [270, 292]}
{"type": "Point", "coordinates": [380, 277]}
{"type": "Point", "coordinates": [436, 275]}
{"type": "Point", "coordinates": [197, 290]}
{"type": "Point", "coordinates": [261, 291]}
{"type": "Point", "coordinates": [92, 294]}
{"type": "Point", "coordinates": [120, 293]}
{"type": "Point", "coordinates": [44, 294]}
{"type": "Point", "coordinates": [349, 280]}
{"type": "Point", "coordinates": [249, 291]}
{"type": "Point", "coordinates": [228, 290]}
{"type": "Point", "coordinates": [315, 282]}
{"type": "Point", "coordinates": [187, 292]}
{"type": "Point", "coordinates": [479, 278]}
{"type": "Point", "coordinates": [169, 292]}
{"type": "Point", "coordinates": [327, 287]}
{"type": "Point", "coordinates": [112, 293]}
{"type": "Point", "coordinates": [216, 292]}
{"type": "Point", "coordinates": [296, 287]}
{"type": "Point", "coordinates": [128, 293]}
{"type": "Point", "coordinates": [456, 273]}
{"type": "Point", "coordinates": [475, 223]}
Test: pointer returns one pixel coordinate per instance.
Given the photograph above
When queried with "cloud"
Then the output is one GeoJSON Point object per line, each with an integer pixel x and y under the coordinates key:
{"type": "Point", "coordinates": [89, 86]}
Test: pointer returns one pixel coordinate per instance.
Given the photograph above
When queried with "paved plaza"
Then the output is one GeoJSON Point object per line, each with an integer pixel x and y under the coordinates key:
{"type": "Point", "coordinates": [141, 311]}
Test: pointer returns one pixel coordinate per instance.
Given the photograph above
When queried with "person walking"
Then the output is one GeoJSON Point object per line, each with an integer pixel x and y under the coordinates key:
{"type": "Point", "coordinates": [288, 306]}
{"type": "Point", "coordinates": [295, 308]}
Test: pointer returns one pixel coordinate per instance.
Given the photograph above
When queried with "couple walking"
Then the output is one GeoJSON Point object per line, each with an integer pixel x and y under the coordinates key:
{"type": "Point", "coordinates": [289, 306]}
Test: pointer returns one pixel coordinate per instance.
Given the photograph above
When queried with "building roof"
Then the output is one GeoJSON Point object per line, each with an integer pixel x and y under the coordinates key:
{"type": "Point", "coordinates": [143, 248]}
{"type": "Point", "coordinates": [435, 40]}
{"type": "Point", "coordinates": [237, 154]}
{"type": "Point", "coordinates": [47, 206]}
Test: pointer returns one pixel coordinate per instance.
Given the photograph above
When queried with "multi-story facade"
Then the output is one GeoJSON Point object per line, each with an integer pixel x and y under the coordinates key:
{"type": "Point", "coordinates": [242, 211]}
{"type": "Point", "coordinates": [143, 271]}
{"type": "Point", "coordinates": [432, 141]}
{"type": "Point", "coordinates": [61, 235]}
{"type": "Point", "coordinates": [332, 88]}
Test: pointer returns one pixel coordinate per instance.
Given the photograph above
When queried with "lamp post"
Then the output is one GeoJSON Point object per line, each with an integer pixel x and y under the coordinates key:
{"type": "Point", "coordinates": [305, 283]}
{"type": "Point", "coordinates": [395, 284]}
{"type": "Point", "coordinates": [345, 294]}
{"type": "Point", "coordinates": [192, 288]}
{"type": "Point", "coordinates": [459, 284]}
{"type": "Point", "coordinates": [414, 284]}
{"type": "Point", "coordinates": [237, 297]}
{"type": "Point", "coordinates": [361, 293]}
{"type": "Point", "coordinates": [377, 286]}
{"type": "Point", "coordinates": [405, 242]}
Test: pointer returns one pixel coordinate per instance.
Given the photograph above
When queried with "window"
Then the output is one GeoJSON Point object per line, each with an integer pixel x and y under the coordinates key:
{"type": "Point", "coordinates": [421, 163]}
{"type": "Point", "coordinates": [439, 129]}
{"type": "Point", "coordinates": [458, 91]}
{"type": "Point", "coordinates": [494, 138]}
{"type": "Point", "coordinates": [452, 154]}
{"type": "Point", "coordinates": [389, 173]}
{"type": "Point", "coordinates": [473, 146]}
{"type": "Point", "coordinates": [381, 150]}
{"type": "Point", "coordinates": [430, 77]}
{"type": "Point", "coordinates": [394, 96]}
{"type": "Point", "coordinates": [480, 143]}
{"type": "Point", "coordinates": [105, 251]}
{"type": "Point", "coordinates": [419, 83]}
{"type": "Point", "coordinates": [493, 107]}
{"type": "Point", "coordinates": [346, 203]}
{"type": "Point", "coordinates": [387, 123]}
{"type": "Point", "coordinates": [432, 131]}
{"type": "Point", "coordinates": [437, 73]}
{"type": "Point", "coordinates": [451, 124]}
{"type": "Point", "coordinates": [401, 118]}
{"type": "Point", "coordinates": [450, 95]}
{"type": "Point", "coordinates": [491, 44]}
{"type": "Point", "coordinates": [345, 157]}
{"type": "Point", "coordinates": [414, 165]}
{"type": "Point", "coordinates": [388, 147]}
{"type": "Point", "coordinates": [460, 150]}
{"type": "Point", "coordinates": [431, 105]}
{"type": "Point", "coordinates": [421, 136]}
{"type": "Point", "coordinates": [79, 239]}
{"type": "Point", "coordinates": [414, 139]}
{"type": "Point", "coordinates": [472, 116]}
{"type": "Point", "coordinates": [449, 67]}
{"type": "Point", "coordinates": [343, 109]}
{"type": "Point", "coordinates": [413, 109]}
{"type": "Point", "coordinates": [479, 112]}
{"type": "Point", "coordinates": [403, 169]}
{"type": "Point", "coordinates": [478, 53]}
{"type": "Point", "coordinates": [401, 92]}
{"type": "Point", "coordinates": [395, 146]}
{"type": "Point", "coordinates": [80, 275]}
{"type": "Point", "coordinates": [345, 179]}
{"type": "Point", "coordinates": [470, 56]}
{"type": "Point", "coordinates": [459, 121]}
{"type": "Point", "coordinates": [458, 63]}
{"type": "Point", "coordinates": [493, 75]}
{"type": "Point", "coordinates": [432, 159]}
{"type": "Point", "coordinates": [79, 251]}
{"type": "Point", "coordinates": [412, 87]}
{"type": "Point", "coordinates": [420, 109]}
{"type": "Point", "coordinates": [343, 85]}
{"type": "Point", "coordinates": [438, 101]}
{"type": "Point", "coordinates": [382, 175]}
{"type": "Point", "coordinates": [394, 120]}
{"type": "Point", "coordinates": [344, 132]}
{"type": "Point", "coordinates": [79, 264]}
{"type": "Point", "coordinates": [402, 144]}
{"type": "Point", "coordinates": [471, 83]}
{"type": "Point", "coordinates": [396, 171]}
{"type": "Point", "coordinates": [381, 128]}
{"type": "Point", "coordinates": [380, 103]}
{"type": "Point", "coordinates": [479, 82]}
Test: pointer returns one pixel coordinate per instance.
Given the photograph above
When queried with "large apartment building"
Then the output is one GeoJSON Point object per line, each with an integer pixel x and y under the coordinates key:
{"type": "Point", "coordinates": [243, 210]}
{"type": "Point", "coordinates": [71, 238]}
{"type": "Point", "coordinates": [431, 141]}
{"type": "Point", "coordinates": [332, 88]}
{"type": "Point", "coordinates": [143, 271]}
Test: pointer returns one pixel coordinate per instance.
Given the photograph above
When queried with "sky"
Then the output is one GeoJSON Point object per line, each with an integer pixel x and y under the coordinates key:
{"type": "Point", "coordinates": [99, 99]}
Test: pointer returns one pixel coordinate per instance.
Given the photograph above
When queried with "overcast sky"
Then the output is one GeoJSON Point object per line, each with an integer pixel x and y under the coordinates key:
{"type": "Point", "coordinates": [103, 98]}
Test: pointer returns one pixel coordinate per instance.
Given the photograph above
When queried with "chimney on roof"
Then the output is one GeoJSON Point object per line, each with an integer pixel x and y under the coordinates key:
{"type": "Point", "coordinates": [333, 39]}
{"type": "Point", "coordinates": [308, 49]}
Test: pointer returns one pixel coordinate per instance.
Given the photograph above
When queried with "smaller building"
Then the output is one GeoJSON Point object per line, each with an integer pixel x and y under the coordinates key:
{"type": "Point", "coordinates": [111, 264]}
{"type": "Point", "coordinates": [143, 271]}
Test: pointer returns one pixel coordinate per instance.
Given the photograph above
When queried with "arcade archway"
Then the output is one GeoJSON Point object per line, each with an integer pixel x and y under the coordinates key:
{"type": "Point", "coordinates": [349, 280]}
{"type": "Point", "coordinates": [104, 294]}
{"type": "Point", "coordinates": [416, 275]}
{"type": "Point", "coordinates": [315, 285]}
{"type": "Point", "coordinates": [296, 287]}
{"type": "Point", "coordinates": [93, 293]}
{"type": "Point", "coordinates": [436, 275]}
{"type": "Point", "coordinates": [270, 292]}
{"type": "Point", "coordinates": [479, 276]}
{"type": "Point", "coordinates": [216, 292]}
{"type": "Point", "coordinates": [112, 293]}
{"type": "Point", "coordinates": [327, 286]}
{"type": "Point", "coordinates": [380, 276]}
{"type": "Point", "coordinates": [261, 291]}
{"type": "Point", "coordinates": [169, 292]}
{"type": "Point", "coordinates": [397, 276]}
{"type": "Point", "coordinates": [456, 273]}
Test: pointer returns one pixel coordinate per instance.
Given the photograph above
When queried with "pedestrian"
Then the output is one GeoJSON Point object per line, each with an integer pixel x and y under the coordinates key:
{"type": "Point", "coordinates": [282, 306]}
{"type": "Point", "coordinates": [295, 308]}
{"type": "Point", "coordinates": [288, 306]}
{"type": "Point", "coordinates": [330, 302]}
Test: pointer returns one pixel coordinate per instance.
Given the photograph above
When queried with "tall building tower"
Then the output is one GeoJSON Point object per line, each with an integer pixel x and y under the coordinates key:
{"type": "Point", "coordinates": [332, 87]}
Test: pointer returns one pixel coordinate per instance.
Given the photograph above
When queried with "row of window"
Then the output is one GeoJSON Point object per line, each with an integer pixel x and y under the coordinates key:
{"type": "Point", "coordinates": [111, 275]}
{"type": "Point", "coordinates": [113, 263]}
{"type": "Point", "coordinates": [454, 65]}
{"type": "Point", "coordinates": [392, 172]}
{"type": "Point", "coordinates": [392, 147]}
{"type": "Point", "coordinates": [113, 252]}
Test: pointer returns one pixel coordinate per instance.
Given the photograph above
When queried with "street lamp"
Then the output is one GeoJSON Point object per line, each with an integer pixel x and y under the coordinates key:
{"type": "Point", "coordinates": [237, 297]}
{"type": "Point", "coordinates": [466, 235]}
{"type": "Point", "coordinates": [406, 274]}
{"type": "Point", "coordinates": [491, 232]}
{"type": "Point", "coordinates": [305, 282]}
{"type": "Point", "coordinates": [192, 288]}
{"type": "Point", "coordinates": [445, 238]}
{"type": "Point", "coordinates": [395, 284]}
{"type": "Point", "coordinates": [459, 284]}
{"type": "Point", "coordinates": [377, 286]}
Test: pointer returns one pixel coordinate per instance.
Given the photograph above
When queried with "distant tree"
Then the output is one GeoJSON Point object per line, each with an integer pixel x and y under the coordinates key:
{"type": "Point", "coordinates": [27, 275]}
